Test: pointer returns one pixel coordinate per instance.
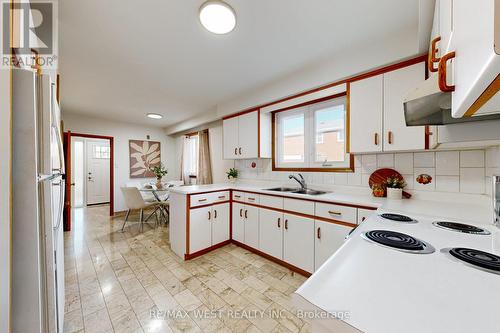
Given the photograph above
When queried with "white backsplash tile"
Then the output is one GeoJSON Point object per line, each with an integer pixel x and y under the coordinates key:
{"type": "Point", "coordinates": [452, 171]}
{"type": "Point", "coordinates": [385, 161]}
{"type": "Point", "coordinates": [403, 163]}
{"type": "Point", "coordinates": [447, 183]}
{"type": "Point", "coordinates": [493, 157]}
{"type": "Point", "coordinates": [354, 178]}
{"type": "Point", "coordinates": [424, 160]}
{"type": "Point", "coordinates": [472, 159]}
{"type": "Point", "coordinates": [472, 180]}
{"type": "Point", "coordinates": [409, 179]}
{"type": "Point", "coordinates": [448, 163]}
{"type": "Point", "coordinates": [368, 163]}
{"type": "Point", "coordinates": [340, 178]}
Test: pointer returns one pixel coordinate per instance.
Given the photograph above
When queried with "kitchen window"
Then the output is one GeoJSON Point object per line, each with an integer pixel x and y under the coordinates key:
{"type": "Point", "coordinates": [190, 156]}
{"type": "Point", "coordinates": [313, 137]}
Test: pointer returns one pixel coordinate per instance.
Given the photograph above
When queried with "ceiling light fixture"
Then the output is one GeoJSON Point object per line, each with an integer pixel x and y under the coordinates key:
{"type": "Point", "coordinates": [217, 17]}
{"type": "Point", "coordinates": [154, 115]}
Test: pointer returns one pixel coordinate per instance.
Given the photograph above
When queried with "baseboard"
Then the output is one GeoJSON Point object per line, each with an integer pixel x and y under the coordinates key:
{"type": "Point", "coordinates": [273, 259]}
{"type": "Point", "coordinates": [204, 251]}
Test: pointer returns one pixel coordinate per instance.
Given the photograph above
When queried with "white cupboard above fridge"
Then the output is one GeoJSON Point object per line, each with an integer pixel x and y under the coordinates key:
{"type": "Point", "coordinates": [247, 135]}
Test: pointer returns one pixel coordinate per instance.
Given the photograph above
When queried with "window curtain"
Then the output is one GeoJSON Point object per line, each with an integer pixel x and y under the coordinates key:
{"type": "Point", "coordinates": [185, 161]}
{"type": "Point", "coordinates": [204, 175]}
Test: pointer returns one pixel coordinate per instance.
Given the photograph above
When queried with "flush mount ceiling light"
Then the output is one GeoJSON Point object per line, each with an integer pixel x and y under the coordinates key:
{"type": "Point", "coordinates": [217, 17]}
{"type": "Point", "coordinates": [154, 115]}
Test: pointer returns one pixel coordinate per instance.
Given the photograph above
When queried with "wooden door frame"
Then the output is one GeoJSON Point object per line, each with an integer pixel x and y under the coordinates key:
{"type": "Point", "coordinates": [111, 167]}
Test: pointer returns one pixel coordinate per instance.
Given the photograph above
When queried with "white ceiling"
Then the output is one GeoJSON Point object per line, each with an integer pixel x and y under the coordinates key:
{"type": "Point", "coordinates": [121, 59]}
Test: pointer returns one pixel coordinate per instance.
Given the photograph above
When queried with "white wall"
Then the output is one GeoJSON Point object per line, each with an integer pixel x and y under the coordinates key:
{"type": "Point", "coordinates": [5, 204]}
{"type": "Point", "coordinates": [122, 133]}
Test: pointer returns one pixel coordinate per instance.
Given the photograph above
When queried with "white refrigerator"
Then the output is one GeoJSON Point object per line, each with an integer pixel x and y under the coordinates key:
{"type": "Point", "coordinates": [38, 200]}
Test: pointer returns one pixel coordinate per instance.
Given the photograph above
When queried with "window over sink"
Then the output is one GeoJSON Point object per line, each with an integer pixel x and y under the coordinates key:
{"type": "Point", "coordinates": [314, 136]}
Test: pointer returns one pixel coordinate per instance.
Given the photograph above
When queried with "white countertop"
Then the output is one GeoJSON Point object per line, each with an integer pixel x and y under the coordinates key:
{"type": "Point", "coordinates": [473, 213]}
{"type": "Point", "coordinates": [388, 291]}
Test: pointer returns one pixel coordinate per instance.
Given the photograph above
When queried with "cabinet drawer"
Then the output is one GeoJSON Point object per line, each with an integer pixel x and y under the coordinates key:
{"type": "Point", "coordinates": [271, 201]}
{"type": "Point", "coordinates": [364, 214]}
{"type": "Point", "coordinates": [220, 196]}
{"type": "Point", "coordinates": [201, 199]}
{"type": "Point", "coordinates": [252, 198]}
{"type": "Point", "coordinates": [337, 212]}
{"type": "Point", "coordinates": [299, 206]}
{"type": "Point", "coordinates": [238, 196]}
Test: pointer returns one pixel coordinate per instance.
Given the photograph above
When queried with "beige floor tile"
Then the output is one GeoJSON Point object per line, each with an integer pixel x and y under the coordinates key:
{"type": "Point", "coordinates": [187, 300]}
{"type": "Point", "coordinates": [73, 321]}
{"type": "Point", "coordinates": [92, 303]}
{"type": "Point", "coordinates": [97, 322]}
{"type": "Point", "coordinates": [117, 282]}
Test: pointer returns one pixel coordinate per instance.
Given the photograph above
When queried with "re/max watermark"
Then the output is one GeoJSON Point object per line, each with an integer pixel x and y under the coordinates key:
{"type": "Point", "coordinates": [246, 314]}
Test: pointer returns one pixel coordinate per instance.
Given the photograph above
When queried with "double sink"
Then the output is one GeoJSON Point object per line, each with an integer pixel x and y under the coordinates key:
{"type": "Point", "coordinates": [296, 190]}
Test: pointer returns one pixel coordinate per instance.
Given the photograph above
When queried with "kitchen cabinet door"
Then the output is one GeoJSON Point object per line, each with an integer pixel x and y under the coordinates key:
{"type": "Point", "coordinates": [328, 239]}
{"type": "Point", "coordinates": [248, 136]}
{"type": "Point", "coordinates": [298, 241]}
{"type": "Point", "coordinates": [251, 215]}
{"type": "Point", "coordinates": [445, 25]}
{"type": "Point", "coordinates": [200, 229]}
{"type": "Point", "coordinates": [270, 232]}
{"type": "Point", "coordinates": [238, 222]}
{"type": "Point", "coordinates": [365, 105]}
{"type": "Point", "coordinates": [364, 214]}
{"type": "Point", "coordinates": [220, 223]}
{"type": "Point", "coordinates": [230, 129]}
{"type": "Point", "coordinates": [397, 136]}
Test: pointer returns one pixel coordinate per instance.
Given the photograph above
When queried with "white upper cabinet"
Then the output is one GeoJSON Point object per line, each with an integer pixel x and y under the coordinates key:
{"type": "Point", "coordinates": [366, 109]}
{"type": "Point", "coordinates": [476, 66]}
{"type": "Point", "coordinates": [247, 136]}
{"type": "Point", "coordinates": [398, 136]}
{"type": "Point", "coordinates": [377, 115]}
{"type": "Point", "coordinates": [445, 24]}
{"type": "Point", "coordinates": [230, 126]}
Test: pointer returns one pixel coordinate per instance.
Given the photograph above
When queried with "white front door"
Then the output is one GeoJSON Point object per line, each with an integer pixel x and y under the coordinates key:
{"type": "Point", "coordinates": [98, 154]}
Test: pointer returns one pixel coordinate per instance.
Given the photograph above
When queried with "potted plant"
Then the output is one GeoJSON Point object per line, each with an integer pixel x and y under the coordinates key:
{"type": "Point", "coordinates": [232, 175]}
{"type": "Point", "coordinates": [395, 185]}
{"type": "Point", "coordinates": [159, 172]}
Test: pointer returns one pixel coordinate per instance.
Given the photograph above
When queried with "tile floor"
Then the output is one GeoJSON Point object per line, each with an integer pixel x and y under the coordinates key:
{"type": "Point", "coordinates": [133, 282]}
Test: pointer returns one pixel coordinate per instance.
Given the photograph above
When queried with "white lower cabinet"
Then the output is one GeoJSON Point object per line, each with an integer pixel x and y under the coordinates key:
{"type": "Point", "coordinates": [220, 223]}
{"type": "Point", "coordinates": [208, 226]}
{"type": "Point", "coordinates": [251, 216]}
{"type": "Point", "coordinates": [298, 241]}
{"type": "Point", "coordinates": [200, 229]}
{"type": "Point", "coordinates": [328, 239]}
{"type": "Point", "coordinates": [238, 222]}
{"type": "Point", "coordinates": [271, 232]}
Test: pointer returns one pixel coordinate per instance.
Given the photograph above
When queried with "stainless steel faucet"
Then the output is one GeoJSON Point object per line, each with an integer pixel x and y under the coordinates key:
{"type": "Point", "coordinates": [301, 181]}
{"type": "Point", "coordinates": [496, 200]}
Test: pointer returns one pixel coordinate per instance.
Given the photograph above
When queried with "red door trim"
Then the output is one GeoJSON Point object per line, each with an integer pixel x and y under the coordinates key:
{"type": "Point", "coordinates": [111, 164]}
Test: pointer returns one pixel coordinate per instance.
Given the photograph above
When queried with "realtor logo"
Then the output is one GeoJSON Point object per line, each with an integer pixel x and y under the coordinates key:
{"type": "Point", "coordinates": [29, 34]}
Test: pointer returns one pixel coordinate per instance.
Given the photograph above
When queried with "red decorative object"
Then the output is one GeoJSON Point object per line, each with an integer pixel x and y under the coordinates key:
{"type": "Point", "coordinates": [254, 164]}
{"type": "Point", "coordinates": [380, 176]}
{"type": "Point", "coordinates": [378, 190]}
{"type": "Point", "coordinates": [424, 179]}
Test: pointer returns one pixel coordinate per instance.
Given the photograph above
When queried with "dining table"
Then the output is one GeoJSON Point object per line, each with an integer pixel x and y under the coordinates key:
{"type": "Point", "coordinates": [161, 195]}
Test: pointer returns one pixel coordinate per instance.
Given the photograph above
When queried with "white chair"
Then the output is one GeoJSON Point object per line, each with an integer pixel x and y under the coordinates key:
{"type": "Point", "coordinates": [134, 201]}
